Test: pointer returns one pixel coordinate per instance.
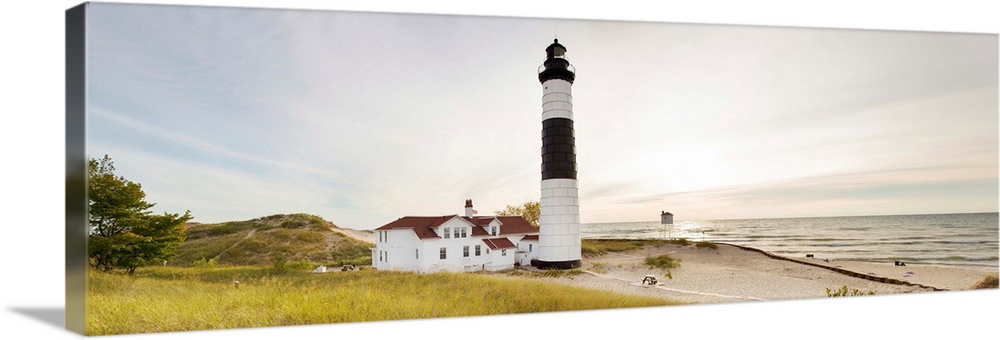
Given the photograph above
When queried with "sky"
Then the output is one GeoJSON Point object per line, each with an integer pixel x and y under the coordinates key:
{"type": "Point", "coordinates": [362, 118]}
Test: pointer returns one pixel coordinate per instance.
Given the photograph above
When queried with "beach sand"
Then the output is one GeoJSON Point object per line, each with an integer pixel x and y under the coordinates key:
{"type": "Point", "coordinates": [735, 274]}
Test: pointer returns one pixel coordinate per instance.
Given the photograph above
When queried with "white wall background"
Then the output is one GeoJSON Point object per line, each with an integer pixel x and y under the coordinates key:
{"type": "Point", "coordinates": [32, 132]}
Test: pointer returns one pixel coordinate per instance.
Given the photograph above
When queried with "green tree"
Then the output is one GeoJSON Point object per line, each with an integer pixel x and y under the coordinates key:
{"type": "Point", "coordinates": [529, 210]}
{"type": "Point", "coordinates": [123, 232]}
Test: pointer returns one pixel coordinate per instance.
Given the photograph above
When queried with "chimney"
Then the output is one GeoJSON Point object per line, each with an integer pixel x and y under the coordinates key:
{"type": "Point", "coordinates": [468, 208]}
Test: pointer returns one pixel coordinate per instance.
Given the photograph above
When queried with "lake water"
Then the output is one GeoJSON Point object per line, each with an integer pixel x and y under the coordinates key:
{"type": "Point", "coordinates": [959, 240]}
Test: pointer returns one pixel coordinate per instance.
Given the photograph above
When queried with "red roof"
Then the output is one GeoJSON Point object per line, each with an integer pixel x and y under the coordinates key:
{"type": "Point", "coordinates": [532, 237]}
{"type": "Point", "coordinates": [515, 225]}
{"type": "Point", "coordinates": [480, 220]}
{"type": "Point", "coordinates": [508, 225]}
{"type": "Point", "coordinates": [499, 243]}
{"type": "Point", "coordinates": [422, 225]}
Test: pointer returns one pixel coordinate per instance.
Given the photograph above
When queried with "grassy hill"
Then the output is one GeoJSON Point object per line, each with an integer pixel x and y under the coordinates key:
{"type": "Point", "coordinates": [300, 239]}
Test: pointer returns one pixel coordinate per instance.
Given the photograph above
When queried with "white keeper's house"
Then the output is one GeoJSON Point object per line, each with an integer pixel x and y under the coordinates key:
{"type": "Point", "coordinates": [455, 243]}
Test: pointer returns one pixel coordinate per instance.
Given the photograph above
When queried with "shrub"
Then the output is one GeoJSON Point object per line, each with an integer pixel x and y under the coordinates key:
{"type": "Point", "coordinates": [663, 261]}
{"type": "Point", "coordinates": [202, 263]}
{"type": "Point", "coordinates": [843, 291]}
{"type": "Point", "coordinates": [599, 267]}
{"type": "Point", "coordinates": [310, 236]}
{"type": "Point", "coordinates": [706, 244]}
{"type": "Point", "coordinates": [302, 264]}
{"type": "Point", "coordinates": [292, 224]}
{"type": "Point", "coordinates": [560, 272]}
{"type": "Point", "coordinates": [543, 273]}
{"type": "Point", "coordinates": [603, 246]}
{"type": "Point", "coordinates": [223, 229]}
{"type": "Point", "coordinates": [278, 264]}
{"type": "Point", "coordinates": [587, 249]}
{"type": "Point", "coordinates": [988, 282]}
{"type": "Point", "coordinates": [679, 241]}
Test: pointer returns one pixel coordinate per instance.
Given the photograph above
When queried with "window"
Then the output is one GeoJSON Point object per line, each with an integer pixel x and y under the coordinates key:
{"type": "Point", "coordinates": [477, 250]}
{"type": "Point", "coordinates": [444, 253]}
{"type": "Point", "coordinates": [380, 236]}
{"type": "Point", "coordinates": [465, 251]}
{"type": "Point", "coordinates": [447, 232]}
{"type": "Point", "coordinates": [487, 251]}
{"type": "Point", "coordinates": [379, 256]}
{"type": "Point", "coordinates": [503, 252]}
{"type": "Point", "coordinates": [417, 252]}
{"type": "Point", "coordinates": [529, 247]}
{"type": "Point", "coordinates": [493, 231]}
{"type": "Point", "coordinates": [464, 235]}
{"type": "Point", "coordinates": [387, 256]}
{"type": "Point", "coordinates": [456, 232]}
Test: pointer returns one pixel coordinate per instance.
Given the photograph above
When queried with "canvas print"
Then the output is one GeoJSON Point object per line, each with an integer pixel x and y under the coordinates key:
{"type": "Point", "coordinates": [248, 167]}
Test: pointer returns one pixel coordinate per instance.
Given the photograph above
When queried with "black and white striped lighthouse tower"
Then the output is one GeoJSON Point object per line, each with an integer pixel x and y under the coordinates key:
{"type": "Point", "coordinates": [559, 234]}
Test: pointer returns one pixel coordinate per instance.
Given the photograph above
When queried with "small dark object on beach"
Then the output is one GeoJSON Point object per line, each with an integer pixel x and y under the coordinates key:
{"type": "Point", "coordinates": [899, 263]}
{"type": "Point", "coordinates": [809, 255]}
{"type": "Point", "coordinates": [649, 279]}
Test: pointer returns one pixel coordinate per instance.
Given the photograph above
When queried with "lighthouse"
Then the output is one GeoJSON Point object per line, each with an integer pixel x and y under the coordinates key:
{"type": "Point", "coordinates": [559, 218]}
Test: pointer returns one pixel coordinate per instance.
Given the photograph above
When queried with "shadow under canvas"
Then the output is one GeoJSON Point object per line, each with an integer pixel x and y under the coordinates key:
{"type": "Point", "coordinates": [54, 316]}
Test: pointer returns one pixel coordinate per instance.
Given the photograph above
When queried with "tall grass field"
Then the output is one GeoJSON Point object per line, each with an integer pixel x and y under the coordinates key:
{"type": "Point", "coordinates": [167, 299]}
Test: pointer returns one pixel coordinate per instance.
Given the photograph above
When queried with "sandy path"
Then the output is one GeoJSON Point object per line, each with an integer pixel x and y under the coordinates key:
{"type": "Point", "coordinates": [363, 235]}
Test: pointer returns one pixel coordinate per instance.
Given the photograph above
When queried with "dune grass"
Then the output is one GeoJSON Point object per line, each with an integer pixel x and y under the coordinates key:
{"type": "Point", "coordinates": [989, 282]}
{"type": "Point", "coordinates": [663, 261]}
{"type": "Point", "coordinates": [706, 244]}
{"type": "Point", "coordinates": [166, 299]}
{"type": "Point", "coordinates": [603, 246]}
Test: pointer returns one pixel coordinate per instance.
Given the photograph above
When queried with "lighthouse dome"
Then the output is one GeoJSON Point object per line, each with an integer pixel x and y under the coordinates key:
{"type": "Point", "coordinates": [556, 66]}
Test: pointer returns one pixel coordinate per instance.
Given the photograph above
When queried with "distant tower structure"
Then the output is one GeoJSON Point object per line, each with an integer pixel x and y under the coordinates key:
{"type": "Point", "coordinates": [559, 218]}
{"type": "Point", "coordinates": [666, 218]}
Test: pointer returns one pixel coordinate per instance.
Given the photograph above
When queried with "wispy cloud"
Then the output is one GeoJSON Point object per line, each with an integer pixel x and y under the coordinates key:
{"type": "Point", "coordinates": [196, 145]}
{"type": "Point", "coordinates": [913, 190]}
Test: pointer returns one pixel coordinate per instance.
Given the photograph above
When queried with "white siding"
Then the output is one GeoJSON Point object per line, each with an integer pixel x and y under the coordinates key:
{"type": "Point", "coordinates": [667, 219]}
{"type": "Point", "coordinates": [399, 248]}
{"type": "Point", "coordinates": [529, 251]}
{"type": "Point", "coordinates": [394, 250]}
{"type": "Point", "coordinates": [501, 259]}
{"type": "Point", "coordinates": [455, 261]}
